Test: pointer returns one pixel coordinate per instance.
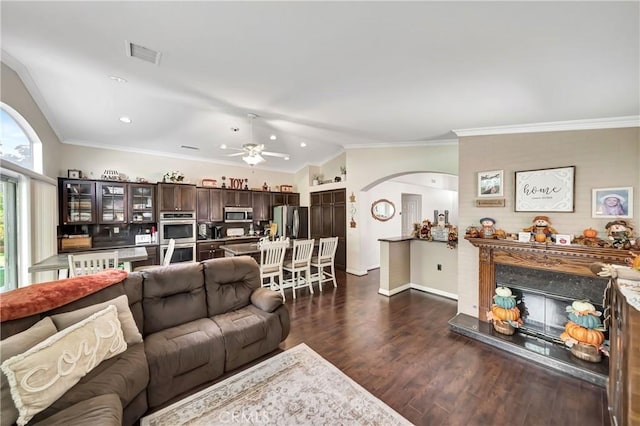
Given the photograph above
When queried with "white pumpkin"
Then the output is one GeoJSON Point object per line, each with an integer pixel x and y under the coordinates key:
{"type": "Point", "coordinates": [503, 291]}
{"type": "Point", "coordinates": [582, 305]}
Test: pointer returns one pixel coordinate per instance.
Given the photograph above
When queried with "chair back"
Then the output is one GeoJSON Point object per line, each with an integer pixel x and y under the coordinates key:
{"type": "Point", "coordinates": [90, 263]}
{"type": "Point", "coordinates": [167, 256]}
{"type": "Point", "coordinates": [272, 254]}
{"type": "Point", "coordinates": [327, 249]}
{"type": "Point", "coordinates": [302, 251]}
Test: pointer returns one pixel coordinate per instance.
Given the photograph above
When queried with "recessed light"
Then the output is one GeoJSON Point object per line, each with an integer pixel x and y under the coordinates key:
{"type": "Point", "coordinates": [223, 146]}
{"type": "Point", "coordinates": [303, 144]}
{"type": "Point", "coordinates": [273, 137]}
{"type": "Point", "coordinates": [286, 158]}
{"type": "Point", "coordinates": [117, 79]}
{"type": "Point", "coordinates": [125, 119]}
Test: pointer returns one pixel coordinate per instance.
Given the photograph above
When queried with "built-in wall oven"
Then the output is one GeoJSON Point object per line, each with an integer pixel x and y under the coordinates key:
{"type": "Point", "coordinates": [181, 253]}
{"type": "Point", "coordinates": [180, 226]}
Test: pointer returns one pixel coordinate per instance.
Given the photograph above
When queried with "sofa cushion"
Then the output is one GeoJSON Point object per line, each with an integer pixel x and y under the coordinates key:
{"type": "Point", "coordinates": [230, 282]}
{"type": "Point", "coordinates": [173, 295]}
{"type": "Point", "coordinates": [14, 345]}
{"type": "Point", "coordinates": [129, 329]}
{"type": "Point", "coordinates": [45, 372]}
{"type": "Point", "coordinates": [248, 334]}
{"type": "Point", "coordinates": [103, 410]}
{"type": "Point", "coordinates": [125, 375]}
{"type": "Point", "coordinates": [182, 357]}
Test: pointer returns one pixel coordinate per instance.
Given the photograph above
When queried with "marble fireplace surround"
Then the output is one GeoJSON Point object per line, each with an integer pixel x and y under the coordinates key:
{"type": "Point", "coordinates": [548, 259]}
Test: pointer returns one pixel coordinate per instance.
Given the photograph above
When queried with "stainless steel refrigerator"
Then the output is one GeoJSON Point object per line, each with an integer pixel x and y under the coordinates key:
{"type": "Point", "coordinates": [292, 221]}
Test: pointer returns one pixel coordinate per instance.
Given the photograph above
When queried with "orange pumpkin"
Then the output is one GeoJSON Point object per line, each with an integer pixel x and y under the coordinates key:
{"type": "Point", "coordinates": [505, 314]}
{"type": "Point", "coordinates": [584, 335]}
{"type": "Point", "coordinates": [590, 233]}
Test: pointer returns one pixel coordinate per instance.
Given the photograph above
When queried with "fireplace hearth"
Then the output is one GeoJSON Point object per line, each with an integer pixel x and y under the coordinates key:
{"type": "Point", "coordinates": [547, 278]}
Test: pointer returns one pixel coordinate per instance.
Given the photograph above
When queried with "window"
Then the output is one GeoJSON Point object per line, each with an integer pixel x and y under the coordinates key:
{"type": "Point", "coordinates": [8, 234]}
{"type": "Point", "coordinates": [19, 143]}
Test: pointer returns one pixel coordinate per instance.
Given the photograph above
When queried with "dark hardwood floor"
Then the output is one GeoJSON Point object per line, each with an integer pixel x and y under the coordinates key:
{"type": "Point", "coordinates": [401, 350]}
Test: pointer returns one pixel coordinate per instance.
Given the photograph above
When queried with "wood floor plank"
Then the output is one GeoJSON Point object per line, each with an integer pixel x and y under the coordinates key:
{"type": "Point", "coordinates": [401, 350]}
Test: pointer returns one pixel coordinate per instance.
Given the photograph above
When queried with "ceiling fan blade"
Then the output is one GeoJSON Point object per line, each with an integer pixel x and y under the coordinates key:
{"type": "Point", "coordinates": [274, 154]}
{"type": "Point", "coordinates": [237, 154]}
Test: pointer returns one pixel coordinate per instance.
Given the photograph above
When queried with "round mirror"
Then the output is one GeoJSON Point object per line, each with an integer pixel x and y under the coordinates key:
{"type": "Point", "coordinates": [383, 210]}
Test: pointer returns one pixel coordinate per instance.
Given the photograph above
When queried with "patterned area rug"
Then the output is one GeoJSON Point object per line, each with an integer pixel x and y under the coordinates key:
{"type": "Point", "coordinates": [296, 387]}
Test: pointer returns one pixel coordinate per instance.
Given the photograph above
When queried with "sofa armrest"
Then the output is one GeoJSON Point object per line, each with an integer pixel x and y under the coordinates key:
{"type": "Point", "coordinates": [265, 299]}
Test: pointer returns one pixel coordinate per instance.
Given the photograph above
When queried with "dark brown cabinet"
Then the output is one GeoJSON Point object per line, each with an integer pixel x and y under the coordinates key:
{"type": "Point", "coordinates": [112, 202]}
{"type": "Point", "coordinates": [176, 197]}
{"type": "Point", "coordinates": [152, 259]}
{"type": "Point", "coordinates": [142, 203]}
{"type": "Point", "coordinates": [234, 198]}
{"type": "Point", "coordinates": [209, 205]}
{"type": "Point", "coordinates": [77, 202]}
{"type": "Point", "coordinates": [329, 219]}
{"type": "Point", "coordinates": [286, 198]}
{"type": "Point", "coordinates": [208, 250]}
{"type": "Point", "coordinates": [262, 206]}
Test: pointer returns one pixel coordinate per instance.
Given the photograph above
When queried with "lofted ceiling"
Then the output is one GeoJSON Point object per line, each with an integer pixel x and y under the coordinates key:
{"type": "Point", "coordinates": [330, 74]}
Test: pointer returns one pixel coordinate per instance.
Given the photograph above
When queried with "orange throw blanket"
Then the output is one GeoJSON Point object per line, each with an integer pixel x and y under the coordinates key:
{"type": "Point", "coordinates": [42, 297]}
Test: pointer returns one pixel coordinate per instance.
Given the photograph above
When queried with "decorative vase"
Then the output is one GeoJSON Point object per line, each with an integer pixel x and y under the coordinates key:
{"type": "Point", "coordinates": [586, 352]}
{"type": "Point", "coordinates": [343, 178]}
{"type": "Point", "coordinates": [315, 182]}
{"type": "Point", "coordinates": [504, 327]}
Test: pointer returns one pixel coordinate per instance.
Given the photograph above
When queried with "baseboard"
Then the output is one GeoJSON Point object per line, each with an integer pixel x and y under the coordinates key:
{"type": "Point", "coordinates": [435, 291]}
{"type": "Point", "coordinates": [356, 272]}
{"type": "Point", "coordinates": [397, 290]}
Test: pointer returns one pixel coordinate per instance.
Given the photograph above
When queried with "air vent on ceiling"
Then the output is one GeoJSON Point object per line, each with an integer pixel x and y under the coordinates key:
{"type": "Point", "coordinates": [142, 53]}
{"type": "Point", "coordinates": [189, 147]}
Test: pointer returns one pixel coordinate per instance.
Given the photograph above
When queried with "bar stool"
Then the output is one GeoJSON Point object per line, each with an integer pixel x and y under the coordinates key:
{"type": "Point", "coordinates": [326, 259]}
{"type": "Point", "coordinates": [271, 264]}
{"type": "Point", "coordinates": [300, 262]}
{"type": "Point", "coordinates": [86, 264]}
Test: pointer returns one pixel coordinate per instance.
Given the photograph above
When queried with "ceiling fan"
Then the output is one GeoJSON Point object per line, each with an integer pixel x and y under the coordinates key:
{"type": "Point", "coordinates": [252, 152]}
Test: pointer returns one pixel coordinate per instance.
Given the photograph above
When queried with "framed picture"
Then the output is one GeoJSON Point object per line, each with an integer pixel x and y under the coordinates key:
{"type": "Point", "coordinates": [74, 174]}
{"type": "Point", "coordinates": [491, 183]}
{"type": "Point", "coordinates": [545, 190]}
{"type": "Point", "coordinates": [612, 202]}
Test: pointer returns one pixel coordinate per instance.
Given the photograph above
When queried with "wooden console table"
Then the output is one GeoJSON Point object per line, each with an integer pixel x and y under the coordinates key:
{"type": "Point", "coordinates": [573, 259]}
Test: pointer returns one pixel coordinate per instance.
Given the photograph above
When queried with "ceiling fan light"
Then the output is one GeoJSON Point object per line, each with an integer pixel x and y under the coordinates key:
{"type": "Point", "coordinates": [252, 160]}
{"type": "Point", "coordinates": [223, 146]}
{"type": "Point", "coordinates": [273, 137]}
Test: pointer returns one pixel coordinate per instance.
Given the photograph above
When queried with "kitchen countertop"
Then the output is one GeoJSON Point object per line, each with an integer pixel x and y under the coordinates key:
{"type": "Point", "coordinates": [227, 239]}
{"type": "Point", "coordinates": [407, 238]}
{"type": "Point", "coordinates": [248, 249]}
{"type": "Point", "coordinates": [61, 261]}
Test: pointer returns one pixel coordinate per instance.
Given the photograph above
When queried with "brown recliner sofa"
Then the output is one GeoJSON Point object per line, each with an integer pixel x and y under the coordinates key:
{"type": "Point", "coordinates": [198, 321]}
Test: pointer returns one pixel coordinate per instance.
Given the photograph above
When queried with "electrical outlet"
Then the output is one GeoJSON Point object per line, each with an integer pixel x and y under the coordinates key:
{"type": "Point", "coordinates": [439, 267]}
{"type": "Point", "coordinates": [116, 230]}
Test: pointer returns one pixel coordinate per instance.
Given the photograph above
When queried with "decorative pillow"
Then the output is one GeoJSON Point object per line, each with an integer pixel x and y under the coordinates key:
{"type": "Point", "coordinates": [42, 374]}
{"type": "Point", "coordinates": [129, 328]}
{"type": "Point", "coordinates": [15, 345]}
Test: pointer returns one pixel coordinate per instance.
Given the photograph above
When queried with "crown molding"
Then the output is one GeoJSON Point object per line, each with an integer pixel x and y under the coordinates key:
{"type": "Point", "coordinates": [403, 144]}
{"type": "Point", "coordinates": [554, 126]}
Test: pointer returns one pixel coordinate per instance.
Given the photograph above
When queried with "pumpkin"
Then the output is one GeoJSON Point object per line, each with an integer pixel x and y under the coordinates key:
{"type": "Point", "coordinates": [505, 302]}
{"type": "Point", "coordinates": [590, 233]}
{"type": "Point", "coordinates": [505, 314]}
{"type": "Point", "coordinates": [503, 291]}
{"type": "Point", "coordinates": [584, 335]}
{"type": "Point", "coordinates": [588, 321]}
{"type": "Point", "coordinates": [582, 305]}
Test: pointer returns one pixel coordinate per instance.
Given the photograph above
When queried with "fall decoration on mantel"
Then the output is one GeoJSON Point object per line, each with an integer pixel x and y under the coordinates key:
{"type": "Point", "coordinates": [541, 229]}
{"type": "Point", "coordinates": [504, 313]}
{"type": "Point", "coordinates": [583, 332]}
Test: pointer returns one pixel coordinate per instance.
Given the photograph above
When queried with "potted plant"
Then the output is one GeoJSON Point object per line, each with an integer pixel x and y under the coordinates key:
{"type": "Point", "coordinates": [343, 173]}
{"type": "Point", "coordinates": [315, 180]}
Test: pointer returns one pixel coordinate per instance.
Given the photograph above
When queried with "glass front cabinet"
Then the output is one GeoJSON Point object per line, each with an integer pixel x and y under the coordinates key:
{"type": "Point", "coordinates": [112, 202]}
{"type": "Point", "coordinates": [142, 203]}
{"type": "Point", "coordinates": [78, 202]}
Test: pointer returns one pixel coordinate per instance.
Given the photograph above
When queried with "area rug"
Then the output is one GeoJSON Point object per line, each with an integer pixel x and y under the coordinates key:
{"type": "Point", "coordinates": [295, 387]}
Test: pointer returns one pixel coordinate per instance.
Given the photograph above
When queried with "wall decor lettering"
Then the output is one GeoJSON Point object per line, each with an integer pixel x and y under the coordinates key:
{"type": "Point", "coordinates": [545, 190]}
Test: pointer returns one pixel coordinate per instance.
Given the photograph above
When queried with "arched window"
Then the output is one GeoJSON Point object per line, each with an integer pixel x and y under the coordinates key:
{"type": "Point", "coordinates": [19, 143]}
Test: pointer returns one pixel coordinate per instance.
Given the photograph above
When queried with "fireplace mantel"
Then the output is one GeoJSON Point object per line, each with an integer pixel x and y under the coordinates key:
{"type": "Point", "coordinates": [572, 259]}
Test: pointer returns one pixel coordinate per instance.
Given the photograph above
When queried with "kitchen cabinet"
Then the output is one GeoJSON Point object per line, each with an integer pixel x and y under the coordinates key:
{"type": "Point", "coordinates": [152, 258]}
{"type": "Point", "coordinates": [112, 203]}
{"type": "Point", "coordinates": [623, 389]}
{"type": "Point", "coordinates": [176, 197]}
{"type": "Point", "coordinates": [142, 203]}
{"type": "Point", "coordinates": [209, 205]}
{"type": "Point", "coordinates": [328, 212]}
{"type": "Point", "coordinates": [286, 198]}
{"type": "Point", "coordinates": [262, 206]}
{"type": "Point", "coordinates": [208, 250]}
{"type": "Point", "coordinates": [235, 198]}
{"type": "Point", "coordinates": [77, 201]}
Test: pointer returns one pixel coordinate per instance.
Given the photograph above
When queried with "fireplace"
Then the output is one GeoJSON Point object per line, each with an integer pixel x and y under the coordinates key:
{"type": "Point", "coordinates": [547, 278]}
{"type": "Point", "coordinates": [544, 296]}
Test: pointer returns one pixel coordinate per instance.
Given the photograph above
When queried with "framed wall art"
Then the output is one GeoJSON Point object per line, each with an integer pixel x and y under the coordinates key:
{"type": "Point", "coordinates": [612, 202]}
{"type": "Point", "coordinates": [491, 183]}
{"type": "Point", "coordinates": [545, 190]}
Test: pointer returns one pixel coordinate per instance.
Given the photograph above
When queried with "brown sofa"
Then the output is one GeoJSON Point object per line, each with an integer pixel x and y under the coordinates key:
{"type": "Point", "coordinates": [198, 321]}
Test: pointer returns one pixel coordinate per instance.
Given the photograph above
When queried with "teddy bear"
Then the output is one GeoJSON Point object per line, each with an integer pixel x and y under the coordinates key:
{"type": "Point", "coordinates": [619, 233]}
{"type": "Point", "coordinates": [541, 225]}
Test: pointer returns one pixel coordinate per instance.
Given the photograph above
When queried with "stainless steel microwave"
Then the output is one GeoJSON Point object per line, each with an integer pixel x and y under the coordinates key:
{"type": "Point", "coordinates": [238, 214]}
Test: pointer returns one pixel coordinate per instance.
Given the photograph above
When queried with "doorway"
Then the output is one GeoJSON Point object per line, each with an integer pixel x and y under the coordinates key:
{"type": "Point", "coordinates": [411, 212]}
